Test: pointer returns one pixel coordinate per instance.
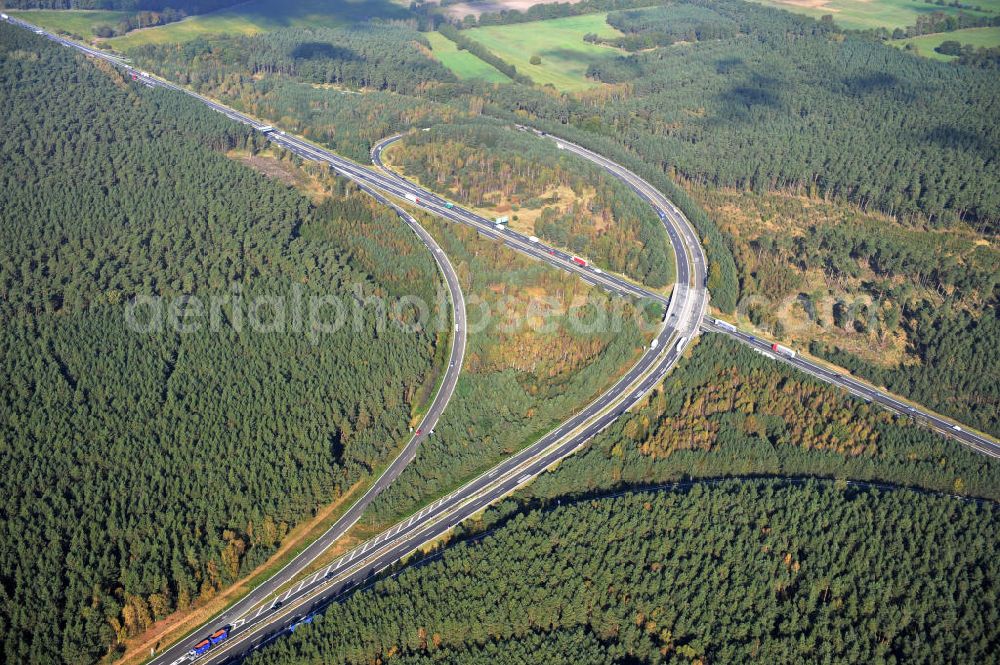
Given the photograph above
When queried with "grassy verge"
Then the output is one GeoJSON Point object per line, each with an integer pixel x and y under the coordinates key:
{"type": "Point", "coordinates": [464, 65]}
{"type": "Point", "coordinates": [558, 42]}
{"type": "Point", "coordinates": [975, 37]}
{"type": "Point", "coordinates": [868, 14]}
{"type": "Point", "coordinates": [77, 22]}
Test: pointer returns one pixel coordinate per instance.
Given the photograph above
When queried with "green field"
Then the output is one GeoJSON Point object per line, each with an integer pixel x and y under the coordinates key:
{"type": "Point", "coordinates": [462, 63]}
{"type": "Point", "coordinates": [262, 15]}
{"type": "Point", "coordinates": [866, 14]}
{"type": "Point", "coordinates": [977, 37]}
{"type": "Point", "coordinates": [559, 43]}
{"type": "Point", "coordinates": [77, 22]}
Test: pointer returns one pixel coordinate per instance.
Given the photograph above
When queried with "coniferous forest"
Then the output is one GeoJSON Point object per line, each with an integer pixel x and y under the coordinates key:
{"type": "Point", "coordinates": [807, 526]}
{"type": "Point", "coordinates": [736, 572]}
{"type": "Point", "coordinates": [754, 99]}
{"type": "Point", "coordinates": [115, 442]}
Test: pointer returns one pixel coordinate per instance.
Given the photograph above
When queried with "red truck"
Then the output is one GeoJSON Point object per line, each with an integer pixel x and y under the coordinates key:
{"type": "Point", "coordinates": [578, 261]}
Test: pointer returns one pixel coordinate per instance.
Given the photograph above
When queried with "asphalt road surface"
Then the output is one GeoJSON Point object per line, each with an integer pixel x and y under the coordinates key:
{"type": "Point", "coordinates": [974, 440]}
{"type": "Point", "coordinates": [254, 623]}
{"type": "Point", "coordinates": [178, 653]}
{"type": "Point", "coordinates": [249, 618]}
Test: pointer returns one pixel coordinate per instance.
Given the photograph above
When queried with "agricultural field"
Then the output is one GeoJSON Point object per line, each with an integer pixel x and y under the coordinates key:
{"type": "Point", "coordinates": [79, 22]}
{"type": "Point", "coordinates": [558, 42]}
{"type": "Point", "coordinates": [462, 63]}
{"type": "Point", "coordinates": [477, 7]}
{"type": "Point", "coordinates": [976, 37]}
{"type": "Point", "coordinates": [262, 15]}
{"type": "Point", "coordinates": [867, 14]}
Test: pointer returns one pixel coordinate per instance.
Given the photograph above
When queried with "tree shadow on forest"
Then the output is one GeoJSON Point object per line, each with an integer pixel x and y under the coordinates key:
{"type": "Point", "coordinates": [875, 83]}
{"type": "Point", "coordinates": [324, 51]}
{"type": "Point", "coordinates": [728, 65]}
{"type": "Point", "coordinates": [517, 507]}
{"type": "Point", "coordinates": [737, 103]}
{"type": "Point", "coordinates": [958, 138]}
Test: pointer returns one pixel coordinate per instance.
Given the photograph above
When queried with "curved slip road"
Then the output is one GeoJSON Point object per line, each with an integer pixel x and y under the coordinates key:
{"type": "Point", "coordinates": [683, 320]}
{"type": "Point", "coordinates": [179, 651]}
{"type": "Point", "coordinates": [685, 309]}
{"type": "Point", "coordinates": [652, 367]}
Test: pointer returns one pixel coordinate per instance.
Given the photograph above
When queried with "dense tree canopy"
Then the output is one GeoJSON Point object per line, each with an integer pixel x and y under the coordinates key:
{"type": "Point", "coordinates": [186, 6]}
{"type": "Point", "coordinates": [728, 411]}
{"type": "Point", "coordinates": [144, 468]}
{"type": "Point", "coordinates": [115, 444]}
{"type": "Point", "coordinates": [737, 572]}
{"type": "Point", "coordinates": [787, 103]}
{"type": "Point", "coordinates": [520, 176]}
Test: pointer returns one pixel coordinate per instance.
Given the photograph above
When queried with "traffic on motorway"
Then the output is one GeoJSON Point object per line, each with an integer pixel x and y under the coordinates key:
{"type": "Point", "coordinates": [978, 442]}
{"type": "Point", "coordinates": [681, 323]}
{"type": "Point", "coordinates": [239, 628]}
{"type": "Point", "coordinates": [246, 626]}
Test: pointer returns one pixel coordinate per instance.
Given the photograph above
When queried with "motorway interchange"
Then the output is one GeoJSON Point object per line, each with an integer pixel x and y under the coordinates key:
{"type": "Point", "coordinates": [275, 606]}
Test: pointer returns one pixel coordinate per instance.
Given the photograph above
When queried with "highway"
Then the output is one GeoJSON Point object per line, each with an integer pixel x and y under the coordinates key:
{"type": "Point", "coordinates": [974, 440]}
{"type": "Point", "coordinates": [252, 620]}
{"type": "Point", "coordinates": [260, 617]}
{"type": "Point", "coordinates": [424, 429]}
{"type": "Point", "coordinates": [682, 320]}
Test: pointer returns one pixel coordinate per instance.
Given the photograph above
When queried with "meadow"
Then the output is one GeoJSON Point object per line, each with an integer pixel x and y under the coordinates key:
{"type": "Point", "coordinates": [261, 15]}
{"type": "Point", "coordinates": [464, 64]}
{"type": "Point", "coordinates": [868, 14]}
{"type": "Point", "coordinates": [79, 22]}
{"type": "Point", "coordinates": [558, 42]}
{"type": "Point", "coordinates": [977, 37]}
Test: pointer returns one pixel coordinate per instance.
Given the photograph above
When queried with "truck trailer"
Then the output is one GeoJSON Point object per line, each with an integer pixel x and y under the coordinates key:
{"type": "Point", "coordinates": [783, 350]}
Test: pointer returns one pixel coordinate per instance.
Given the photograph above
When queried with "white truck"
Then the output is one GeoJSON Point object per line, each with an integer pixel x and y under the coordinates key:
{"type": "Point", "coordinates": [412, 198]}
{"type": "Point", "coordinates": [532, 239]}
{"type": "Point", "coordinates": [725, 326]}
{"type": "Point", "coordinates": [656, 343]}
{"type": "Point", "coordinates": [4, 17]}
{"type": "Point", "coordinates": [783, 350]}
